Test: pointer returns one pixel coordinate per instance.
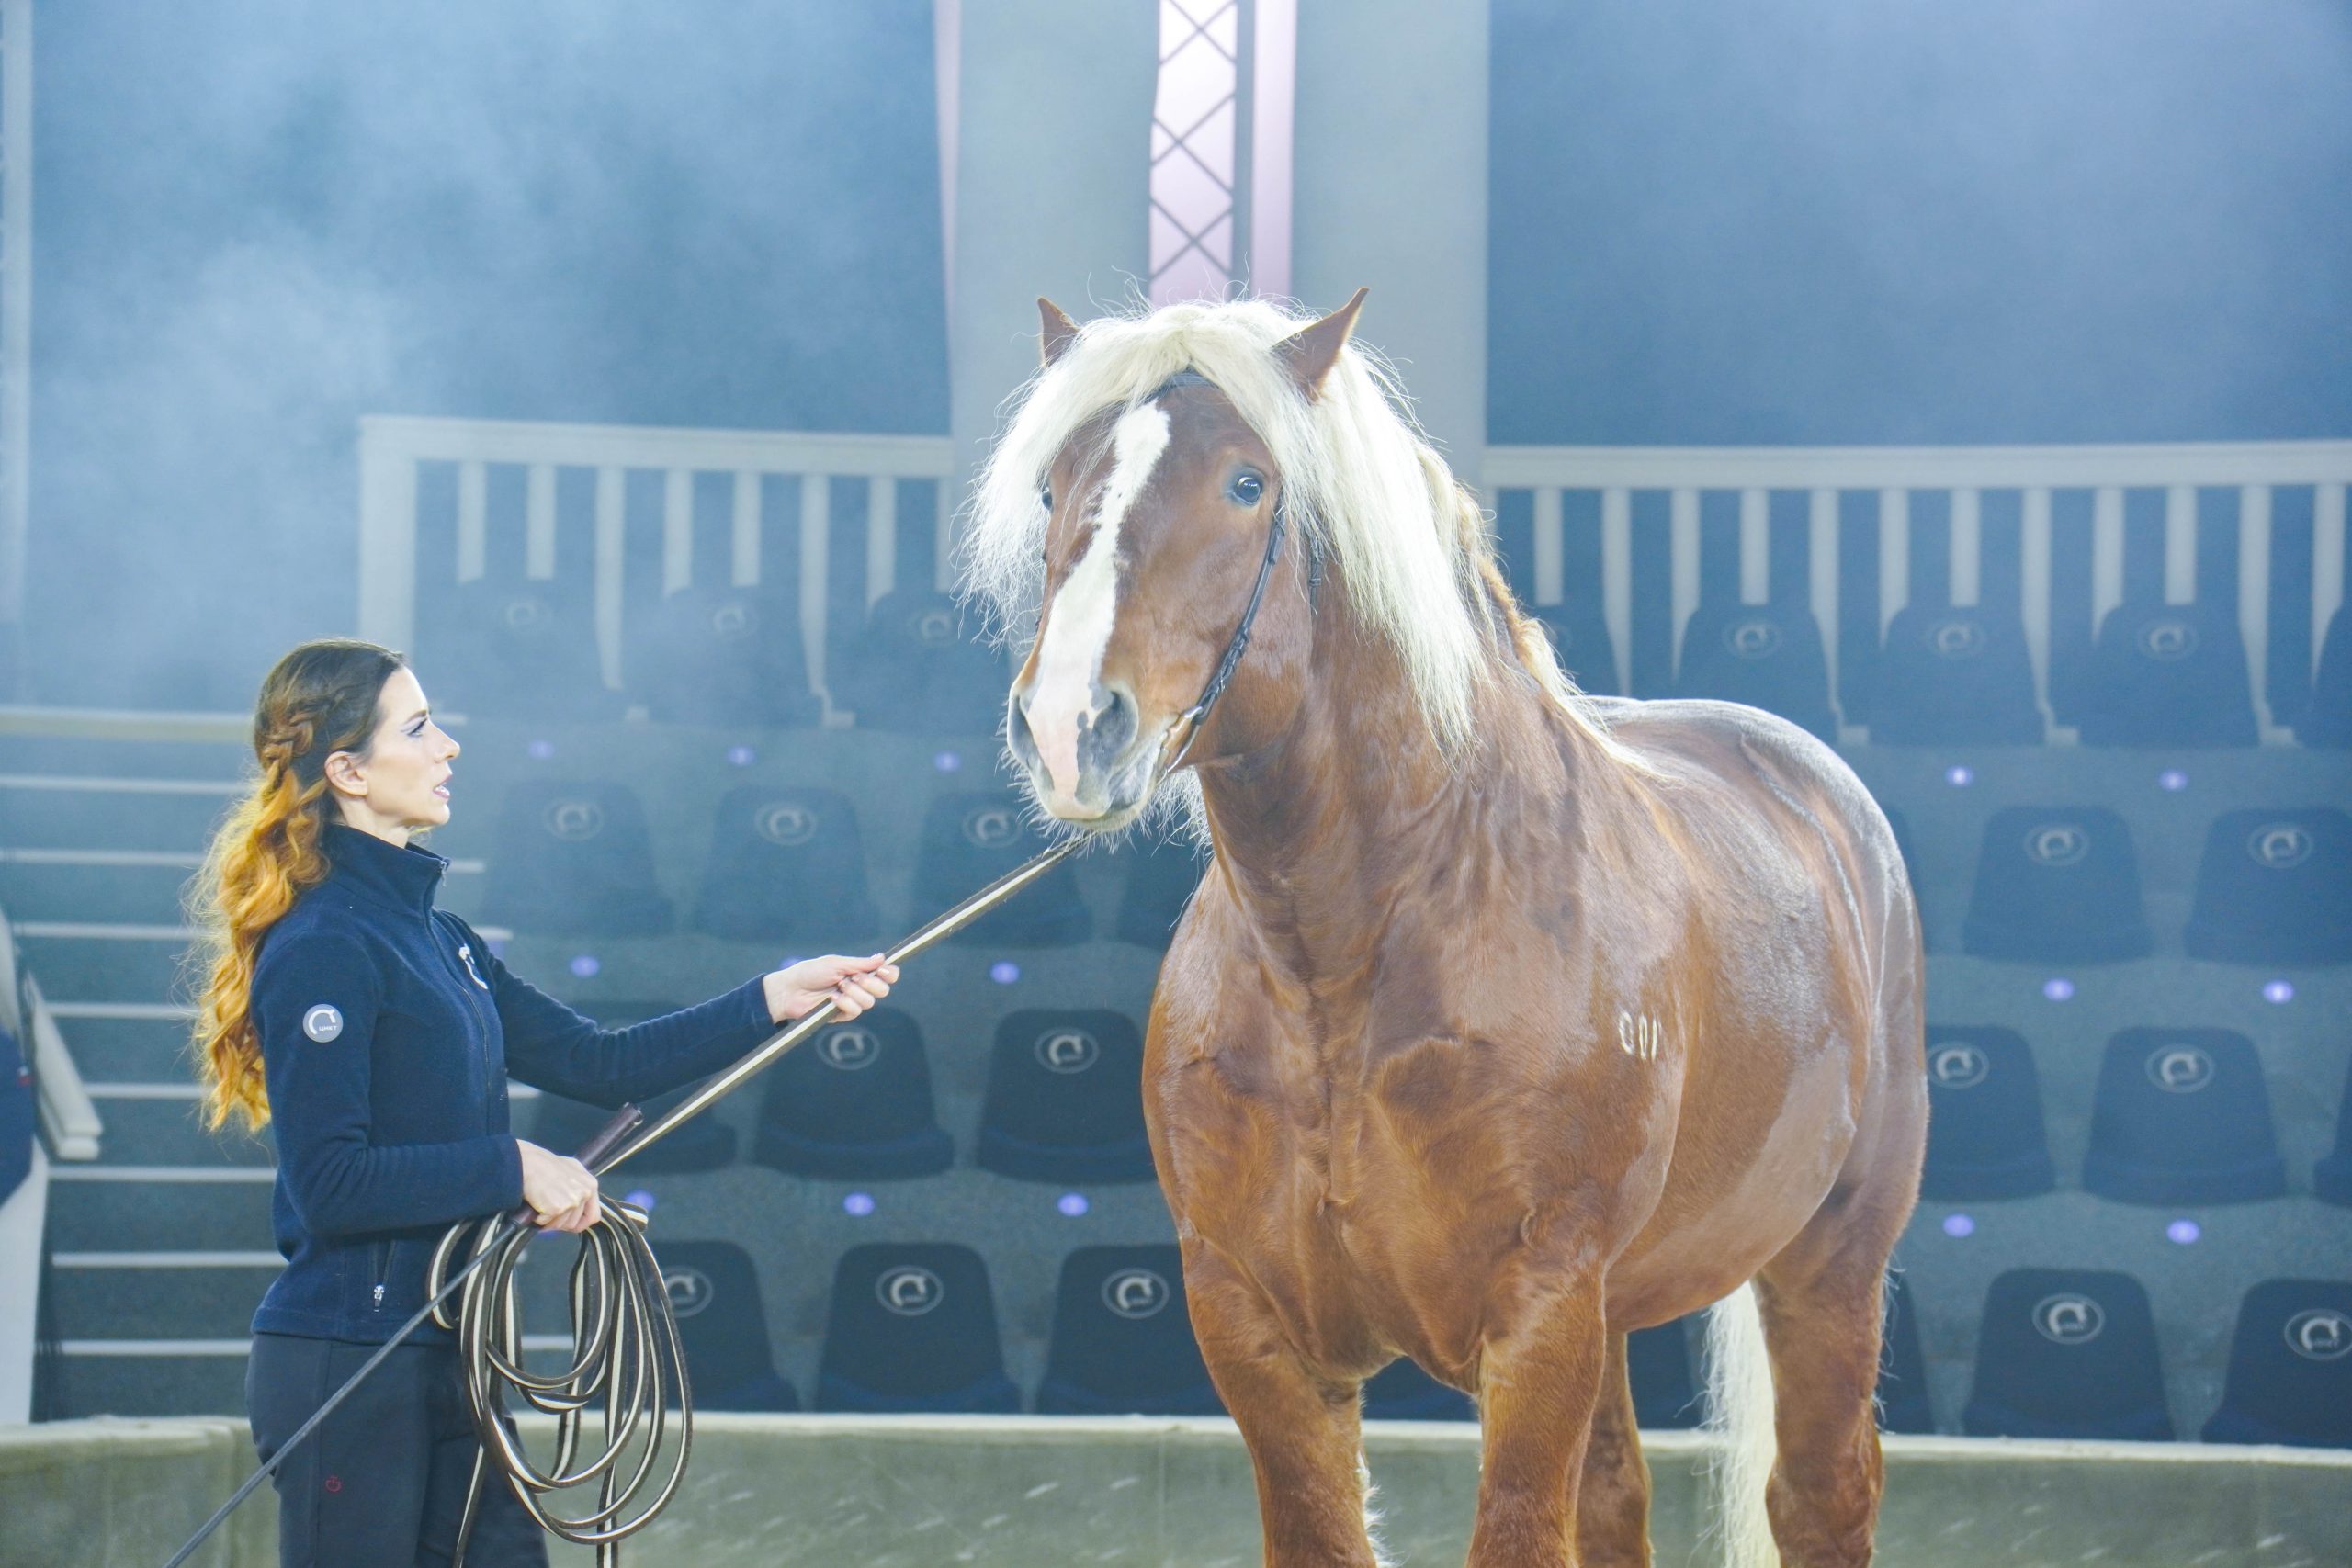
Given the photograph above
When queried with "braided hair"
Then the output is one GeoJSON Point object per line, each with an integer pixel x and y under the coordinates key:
{"type": "Point", "coordinates": [320, 699]}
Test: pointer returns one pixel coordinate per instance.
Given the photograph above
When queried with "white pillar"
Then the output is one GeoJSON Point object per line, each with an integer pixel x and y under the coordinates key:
{"type": "Point", "coordinates": [1053, 156]}
{"type": "Point", "coordinates": [1389, 191]}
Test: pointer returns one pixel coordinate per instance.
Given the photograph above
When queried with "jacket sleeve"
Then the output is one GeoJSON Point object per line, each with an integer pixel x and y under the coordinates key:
{"type": "Point", "coordinates": [552, 1047]}
{"type": "Point", "coordinates": [315, 997]}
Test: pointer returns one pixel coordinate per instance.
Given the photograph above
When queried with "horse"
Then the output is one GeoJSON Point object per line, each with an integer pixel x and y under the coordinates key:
{"type": "Point", "coordinates": [1506, 1019]}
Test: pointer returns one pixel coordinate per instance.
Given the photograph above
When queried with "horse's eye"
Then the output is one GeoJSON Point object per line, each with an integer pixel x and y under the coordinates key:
{"type": "Point", "coordinates": [1046, 498]}
{"type": "Point", "coordinates": [1244, 490]}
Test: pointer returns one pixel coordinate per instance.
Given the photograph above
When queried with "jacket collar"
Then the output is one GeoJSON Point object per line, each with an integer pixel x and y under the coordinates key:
{"type": "Point", "coordinates": [403, 878]}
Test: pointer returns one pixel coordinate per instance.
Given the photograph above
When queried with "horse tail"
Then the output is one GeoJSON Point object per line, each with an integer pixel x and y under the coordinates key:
{"type": "Point", "coordinates": [1739, 1417]}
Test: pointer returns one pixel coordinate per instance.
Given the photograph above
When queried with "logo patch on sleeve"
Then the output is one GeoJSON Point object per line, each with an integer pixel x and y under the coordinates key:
{"type": "Point", "coordinates": [323, 1023]}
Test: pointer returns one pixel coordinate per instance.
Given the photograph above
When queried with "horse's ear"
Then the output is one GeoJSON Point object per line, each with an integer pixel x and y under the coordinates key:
{"type": "Point", "coordinates": [1056, 331]}
{"type": "Point", "coordinates": [1312, 351]}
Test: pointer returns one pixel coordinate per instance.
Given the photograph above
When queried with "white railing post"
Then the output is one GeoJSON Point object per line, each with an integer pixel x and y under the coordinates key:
{"type": "Point", "coordinates": [743, 541]}
{"type": "Point", "coordinates": [1755, 545]}
{"type": "Point", "coordinates": [2034, 595]}
{"type": "Point", "coordinates": [1683, 539]}
{"type": "Point", "coordinates": [1894, 555]}
{"type": "Point", "coordinates": [1617, 577]}
{"type": "Point", "coordinates": [611, 514]}
{"type": "Point", "coordinates": [2327, 562]}
{"type": "Point", "coordinates": [816, 540]}
{"type": "Point", "coordinates": [2254, 600]}
{"type": "Point", "coordinates": [1966, 571]}
{"type": "Point", "coordinates": [1550, 547]}
{"type": "Point", "coordinates": [387, 540]}
{"type": "Point", "coordinates": [881, 536]}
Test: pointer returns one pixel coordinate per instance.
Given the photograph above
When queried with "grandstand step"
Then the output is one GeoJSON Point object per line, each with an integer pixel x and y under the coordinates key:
{"type": "Point", "coordinates": [154, 1209]}
{"type": "Point", "coordinates": [155, 1378]}
{"type": "Point", "coordinates": [102, 961]}
{"type": "Point", "coordinates": [157, 1295]}
{"type": "Point", "coordinates": [72, 811]}
{"type": "Point", "coordinates": [161, 1125]}
{"type": "Point", "coordinates": [142, 886]}
{"type": "Point", "coordinates": [126, 1042]}
{"type": "Point", "coordinates": [224, 758]}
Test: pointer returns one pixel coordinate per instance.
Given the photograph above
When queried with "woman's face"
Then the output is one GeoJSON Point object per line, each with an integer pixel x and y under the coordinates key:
{"type": "Point", "coordinates": [403, 784]}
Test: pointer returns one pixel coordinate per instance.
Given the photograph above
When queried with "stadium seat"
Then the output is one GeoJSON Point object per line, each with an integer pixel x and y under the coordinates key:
{"type": "Point", "coordinates": [1063, 1100]}
{"type": "Point", "coordinates": [1903, 1365]}
{"type": "Point", "coordinates": [2275, 886]}
{"type": "Point", "coordinates": [912, 1328]}
{"type": "Point", "coordinates": [2169, 675]}
{"type": "Point", "coordinates": [919, 667]}
{"type": "Point", "coordinates": [1984, 1133]}
{"type": "Point", "coordinates": [971, 840]}
{"type": "Point", "coordinates": [2056, 883]}
{"type": "Point", "coordinates": [1767, 656]}
{"type": "Point", "coordinates": [785, 864]}
{"type": "Point", "coordinates": [2067, 1353]}
{"type": "Point", "coordinates": [2332, 1177]}
{"type": "Point", "coordinates": [1122, 1343]}
{"type": "Point", "coordinates": [722, 656]}
{"type": "Point", "coordinates": [1579, 635]}
{"type": "Point", "coordinates": [715, 1293]}
{"type": "Point", "coordinates": [2291, 1367]}
{"type": "Point", "coordinates": [853, 1103]}
{"type": "Point", "coordinates": [1162, 870]}
{"type": "Point", "coordinates": [2327, 718]}
{"type": "Point", "coordinates": [2181, 1116]}
{"type": "Point", "coordinates": [1955, 675]}
{"type": "Point", "coordinates": [699, 1142]}
{"type": "Point", "coordinates": [1666, 1394]}
{"type": "Point", "coordinates": [518, 649]}
{"type": "Point", "coordinates": [1402, 1392]}
{"type": "Point", "coordinates": [574, 858]}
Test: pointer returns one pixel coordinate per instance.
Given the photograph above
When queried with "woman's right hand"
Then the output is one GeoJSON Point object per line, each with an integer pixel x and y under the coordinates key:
{"type": "Point", "coordinates": [558, 1188]}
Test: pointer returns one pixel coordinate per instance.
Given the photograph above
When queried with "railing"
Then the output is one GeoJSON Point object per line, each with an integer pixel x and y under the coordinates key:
{"type": "Point", "coordinates": [392, 450]}
{"type": "Point", "coordinates": [2062, 532]}
{"type": "Point", "coordinates": [68, 1119]}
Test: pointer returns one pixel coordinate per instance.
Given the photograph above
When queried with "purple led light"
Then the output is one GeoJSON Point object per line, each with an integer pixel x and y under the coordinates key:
{"type": "Point", "coordinates": [585, 965]}
{"type": "Point", "coordinates": [1959, 1226]}
{"type": "Point", "coordinates": [1004, 972]}
{"type": "Point", "coordinates": [541, 750]}
{"type": "Point", "coordinates": [2172, 779]}
{"type": "Point", "coordinates": [640, 1198]}
{"type": "Point", "coordinates": [1071, 1204]}
{"type": "Point", "coordinates": [497, 947]}
{"type": "Point", "coordinates": [2278, 992]}
{"type": "Point", "coordinates": [1960, 776]}
{"type": "Point", "coordinates": [789, 960]}
{"type": "Point", "coordinates": [947, 762]}
{"type": "Point", "coordinates": [858, 1203]}
{"type": "Point", "coordinates": [2182, 1232]}
{"type": "Point", "coordinates": [741, 756]}
{"type": "Point", "coordinates": [2058, 988]}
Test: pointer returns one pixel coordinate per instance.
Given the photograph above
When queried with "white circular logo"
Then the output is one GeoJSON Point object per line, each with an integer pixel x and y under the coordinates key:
{"type": "Point", "coordinates": [731, 620]}
{"type": "Point", "coordinates": [1752, 638]}
{"type": "Point", "coordinates": [2057, 843]}
{"type": "Point", "coordinates": [2280, 845]}
{"type": "Point", "coordinates": [1137, 1294]}
{"type": "Point", "coordinates": [1067, 1050]}
{"type": "Point", "coordinates": [1956, 638]}
{"type": "Point", "coordinates": [2069, 1319]}
{"type": "Point", "coordinates": [2179, 1069]}
{"type": "Point", "coordinates": [689, 1290]}
{"type": "Point", "coordinates": [2320, 1334]}
{"type": "Point", "coordinates": [935, 626]}
{"type": "Point", "coordinates": [323, 1023]}
{"type": "Point", "coordinates": [1958, 1066]}
{"type": "Point", "coordinates": [2167, 640]}
{"type": "Point", "coordinates": [849, 1047]}
{"type": "Point", "coordinates": [990, 826]}
{"type": "Point", "coordinates": [910, 1290]}
{"type": "Point", "coordinates": [785, 822]}
{"type": "Point", "coordinates": [573, 819]}
{"type": "Point", "coordinates": [527, 613]}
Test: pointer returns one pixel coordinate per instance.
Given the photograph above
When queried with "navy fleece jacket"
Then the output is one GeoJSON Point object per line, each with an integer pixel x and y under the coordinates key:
{"type": "Point", "coordinates": [387, 1033]}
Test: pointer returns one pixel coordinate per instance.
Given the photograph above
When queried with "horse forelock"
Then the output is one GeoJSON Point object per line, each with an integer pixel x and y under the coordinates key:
{"type": "Point", "coordinates": [1357, 471]}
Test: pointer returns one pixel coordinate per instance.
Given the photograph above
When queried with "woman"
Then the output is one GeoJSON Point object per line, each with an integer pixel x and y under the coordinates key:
{"type": "Point", "coordinates": [375, 1034]}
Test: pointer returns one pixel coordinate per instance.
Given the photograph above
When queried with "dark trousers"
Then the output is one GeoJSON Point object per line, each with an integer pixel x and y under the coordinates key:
{"type": "Point", "coordinates": [382, 1483]}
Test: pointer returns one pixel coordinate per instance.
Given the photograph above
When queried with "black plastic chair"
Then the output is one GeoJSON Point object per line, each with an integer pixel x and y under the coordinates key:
{"type": "Point", "coordinates": [700, 1143]}
{"type": "Point", "coordinates": [1063, 1100]}
{"type": "Point", "coordinates": [715, 1294]}
{"type": "Point", "coordinates": [1767, 656]}
{"type": "Point", "coordinates": [1161, 873]}
{"type": "Point", "coordinates": [920, 667]}
{"type": "Point", "coordinates": [1122, 1343]}
{"type": "Point", "coordinates": [2056, 883]}
{"type": "Point", "coordinates": [1955, 675]}
{"type": "Point", "coordinates": [2326, 717]}
{"type": "Point", "coordinates": [971, 840]}
{"type": "Point", "coordinates": [1580, 640]}
{"type": "Point", "coordinates": [853, 1103]}
{"type": "Point", "coordinates": [785, 864]}
{"type": "Point", "coordinates": [1903, 1365]}
{"type": "Point", "coordinates": [912, 1328]}
{"type": "Point", "coordinates": [2332, 1177]}
{"type": "Point", "coordinates": [519, 648]}
{"type": "Point", "coordinates": [722, 656]}
{"type": "Point", "coordinates": [2275, 886]}
{"type": "Point", "coordinates": [2169, 675]}
{"type": "Point", "coordinates": [574, 858]}
{"type": "Point", "coordinates": [1984, 1130]}
{"type": "Point", "coordinates": [2290, 1367]}
{"type": "Point", "coordinates": [2067, 1353]}
{"type": "Point", "coordinates": [2181, 1116]}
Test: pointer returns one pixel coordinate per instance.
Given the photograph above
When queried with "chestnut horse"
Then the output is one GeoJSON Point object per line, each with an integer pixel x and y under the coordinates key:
{"type": "Point", "coordinates": [1506, 1020]}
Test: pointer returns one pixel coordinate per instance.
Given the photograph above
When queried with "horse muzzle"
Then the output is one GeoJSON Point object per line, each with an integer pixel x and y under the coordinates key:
{"type": "Point", "coordinates": [1098, 777]}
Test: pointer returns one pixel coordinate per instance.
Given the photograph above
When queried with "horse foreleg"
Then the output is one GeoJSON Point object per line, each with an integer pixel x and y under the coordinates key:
{"type": "Point", "coordinates": [1612, 1502]}
{"type": "Point", "coordinates": [1305, 1432]}
{"type": "Point", "coordinates": [1540, 1378]}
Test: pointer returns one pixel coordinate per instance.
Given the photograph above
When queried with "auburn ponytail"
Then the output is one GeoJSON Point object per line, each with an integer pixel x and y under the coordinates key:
{"type": "Point", "coordinates": [320, 699]}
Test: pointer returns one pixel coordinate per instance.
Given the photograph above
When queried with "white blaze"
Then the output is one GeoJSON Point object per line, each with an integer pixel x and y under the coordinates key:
{"type": "Point", "coordinates": [1070, 656]}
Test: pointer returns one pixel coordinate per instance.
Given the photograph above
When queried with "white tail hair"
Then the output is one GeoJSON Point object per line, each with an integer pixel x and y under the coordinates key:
{"type": "Point", "coordinates": [1739, 1417]}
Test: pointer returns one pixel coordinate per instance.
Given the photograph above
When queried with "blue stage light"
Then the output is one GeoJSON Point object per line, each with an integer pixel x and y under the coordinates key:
{"type": "Point", "coordinates": [585, 966]}
{"type": "Point", "coordinates": [2183, 1232]}
{"type": "Point", "coordinates": [1071, 1204]}
{"type": "Point", "coordinates": [2058, 988]}
{"type": "Point", "coordinates": [1960, 776]}
{"type": "Point", "coordinates": [1004, 972]}
{"type": "Point", "coordinates": [541, 750]}
{"type": "Point", "coordinates": [947, 762]}
{"type": "Point", "coordinates": [1959, 1226]}
{"type": "Point", "coordinates": [741, 756]}
{"type": "Point", "coordinates": [2278, 992]}
{"type": "Point", "coordinates": [2172, 779]}
{"type": "Point", "coordinates": [640, 1198]}
{"type": "Point", "coordinates": [858, 1203]}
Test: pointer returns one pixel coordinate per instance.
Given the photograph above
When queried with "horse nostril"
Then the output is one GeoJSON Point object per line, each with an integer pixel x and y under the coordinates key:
{"type": "Point", "coordinates": [1025, 744]}
{"type": "Point", "coordinates": [1114, 727]}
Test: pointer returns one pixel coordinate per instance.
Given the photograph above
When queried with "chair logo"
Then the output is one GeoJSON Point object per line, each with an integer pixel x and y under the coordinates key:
{"type": "Point", "coordinates": [990, 826]}
{"type": "Point", "coordinates": [1958, 1066]}
{"type": "Point", "coordinates": [2281, 846]}
{"type": "Point", "coordinates": [785, 822]}
{"type": "Point", "coordinates": [934, 627]}
{"type": "Point", "coordinates": [731, 620]}
{"type": "Point", "coordinates": [2167, 640]}
{"type": "Point", "coordinates": [850, 1047]}
{"type": "Point", "coordinates": [574, 821]}
{"type": "Point", "coordinates": [2320, 1334]}
{"type": "Point", "coordinates": [2057, 843]}
{"type": "Point", "coordinates": [322, 1022]}
{"type": "Point", "coordinates": [689, 1290]}
{"type": "Point", "coordinates": [1956, 638]}
{"type": "Point", "coordinates": [2069, 1319]}
{"type": "Point", "coordinates": [2179, 1069]}
{"type": "Point", "coordinates": [1137, 1294]}
{"type": "Point", "coordinates": [527, 613]}
{"type": "Point", "coordinates": [1752, 638]}
{"type": "Point", "coordinates": [1067, 1050]}
{"type": "Point", "coordinates": [910, 1290]}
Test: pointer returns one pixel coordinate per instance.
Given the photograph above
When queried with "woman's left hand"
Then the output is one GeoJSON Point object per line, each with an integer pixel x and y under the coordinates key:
{"type": "Point", "coordinates": [851, 985]}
